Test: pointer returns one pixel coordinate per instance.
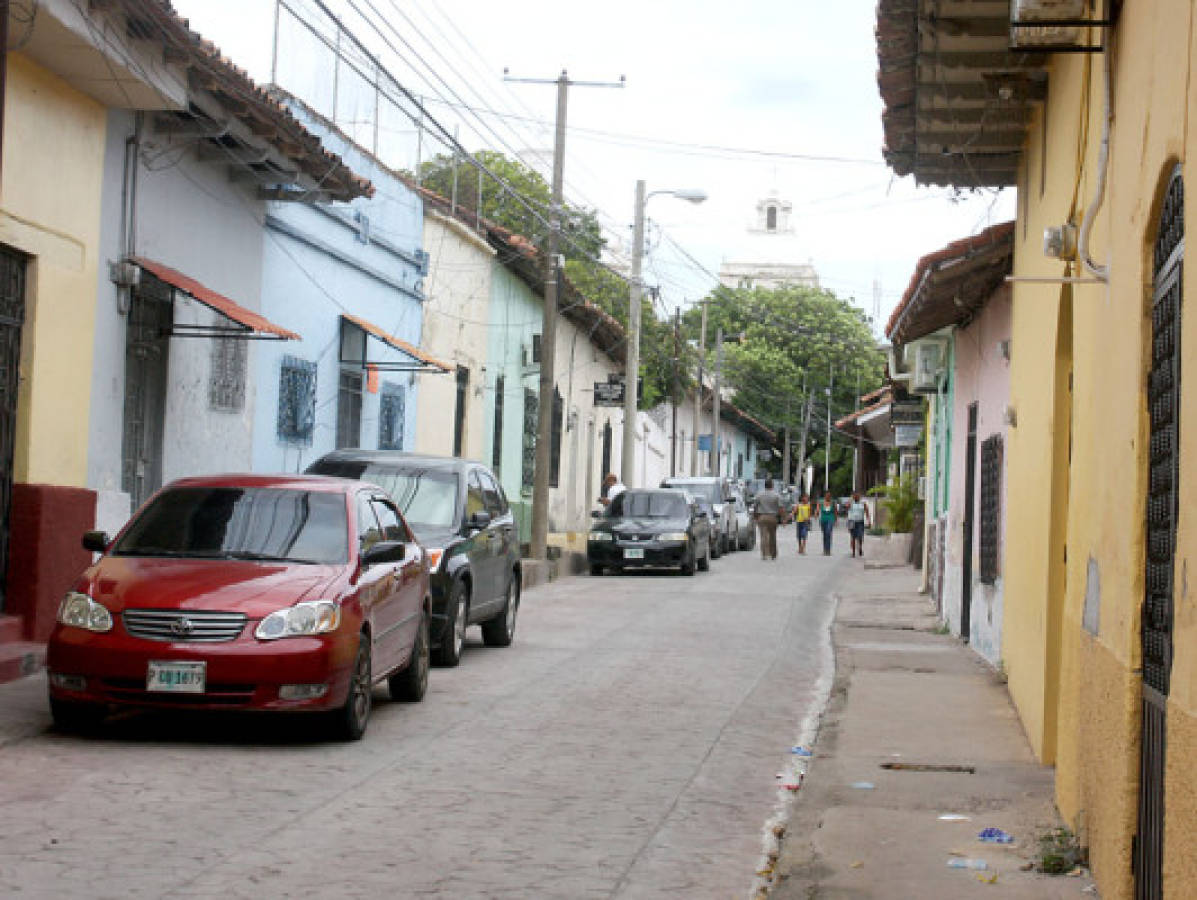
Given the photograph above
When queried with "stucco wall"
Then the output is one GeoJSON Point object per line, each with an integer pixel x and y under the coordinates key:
{"type": "Point", "coordinates": [191, 217]}
{"type": "Point", "coordinates": [455, 329]}
{"type": "Point", "coordinates": [52, 185]}
{"type": "Point", "coordinates": [982, 376]}
{"type": "Point", "coordinates": [1095, 738]}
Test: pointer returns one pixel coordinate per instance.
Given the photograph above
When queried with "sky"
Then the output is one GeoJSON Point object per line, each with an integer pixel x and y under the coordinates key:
{"type": "Point", "coordinates": [788, 85]}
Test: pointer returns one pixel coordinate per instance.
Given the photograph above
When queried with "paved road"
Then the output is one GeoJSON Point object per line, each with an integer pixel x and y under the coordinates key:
{"type": "Point", "coordinates": [625, 746]}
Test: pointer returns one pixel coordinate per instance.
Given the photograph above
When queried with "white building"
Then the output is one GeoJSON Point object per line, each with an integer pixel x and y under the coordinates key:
{"type": "Point", "coordinates": [769, 255]}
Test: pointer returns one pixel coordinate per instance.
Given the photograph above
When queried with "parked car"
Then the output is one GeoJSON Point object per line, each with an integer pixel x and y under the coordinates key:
{"type": "Point", "coordinates": [718, 493]}
{"type": "Point", "coordinates": [458, 511]}
{"type": "Point", "coordinates": [280, 593]}
{"type": "Point", "coordinates": [745, 526]}
{"type": "Point", "coordinates": [642, 528]}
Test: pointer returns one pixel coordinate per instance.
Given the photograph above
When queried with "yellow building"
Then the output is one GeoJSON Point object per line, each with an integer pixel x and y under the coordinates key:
{"type": "Point", "coordinates": [1100, 630]}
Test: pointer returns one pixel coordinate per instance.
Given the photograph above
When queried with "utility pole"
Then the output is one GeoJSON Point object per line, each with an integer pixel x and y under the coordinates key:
{"type": "Point", "coordinates": [677, 352]}
{"type": "Point", "coordinates": [859, 433]}
{"type": "Point", "coordinates": [702, 354]}
{"type": "Point", "coordinates": [548, 329]}
{"type": "Point", "coordinates": [715, 401]}
{"type": "Point", "coordinates": [632, 368]}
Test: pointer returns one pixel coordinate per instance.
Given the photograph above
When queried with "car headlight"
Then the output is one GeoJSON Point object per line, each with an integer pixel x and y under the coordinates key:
{"type": "Point", "coordinates": [674, 536]}
{"type": "Point", "coordinates": [601, 536]}
{"type": "Point", "coordinates": [304, 618]}
{"type": "Point", "coordinates": [718, 507]}
{"type": "Point", "coordinates": [80, 611]}
{"type": "Point", "coordinates": [434, 558]}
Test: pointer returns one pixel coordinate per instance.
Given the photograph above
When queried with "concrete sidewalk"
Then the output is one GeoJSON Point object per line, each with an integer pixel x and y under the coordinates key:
{"type": "Point", "coordinates": [906, 695]}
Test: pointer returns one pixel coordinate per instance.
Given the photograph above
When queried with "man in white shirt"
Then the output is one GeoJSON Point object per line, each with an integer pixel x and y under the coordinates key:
{"type": "Point", "coordinates": [612, 488]}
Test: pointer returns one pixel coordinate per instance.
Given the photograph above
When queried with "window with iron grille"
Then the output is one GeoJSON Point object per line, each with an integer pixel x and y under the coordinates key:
{"type": "Point", "coordinates": [296, 401]}
{"type": "Point", "coordinates": [528, 476]}
{"type": "Point", "coordinates": [391, 403]}
{"type": "Point", "coordinates": [226, 384]}
{"type": "Point", "coordinates": [555, 445]}
{"type": "Point", "coordinates": [991, 497]}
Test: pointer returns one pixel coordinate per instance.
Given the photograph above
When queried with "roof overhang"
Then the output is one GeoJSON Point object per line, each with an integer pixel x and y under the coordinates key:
{"type": "Point", "coordinates": [948, 287]}
{"type": "Point", "coordinates": [355, 352]}
{"type": "Point", "coordinates": [140, 55]}
{"type": "Point", "coordinates": [246, 324]}
{"type": "Point", "coordinates": [957, 98]}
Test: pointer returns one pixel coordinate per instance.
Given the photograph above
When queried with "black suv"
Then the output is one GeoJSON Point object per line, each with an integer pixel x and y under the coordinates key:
{"type": "Point", "coordinates": [459, 512]}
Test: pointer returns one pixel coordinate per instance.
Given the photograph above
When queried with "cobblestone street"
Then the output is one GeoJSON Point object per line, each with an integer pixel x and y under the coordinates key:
{"type": "Point", "coordinates": [625, 745]}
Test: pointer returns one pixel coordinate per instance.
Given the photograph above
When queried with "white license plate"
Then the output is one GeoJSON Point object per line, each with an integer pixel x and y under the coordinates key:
{"type": "Point", "coordinates": [176, 677]}
{"type": "Point", "coordinates": [633, 553]}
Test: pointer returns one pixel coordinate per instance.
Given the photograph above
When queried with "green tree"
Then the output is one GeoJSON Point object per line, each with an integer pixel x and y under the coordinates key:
{"type": "Point", "coordinates": [582, 247]}
{"type": "Point", "coordinates": [790, 346]}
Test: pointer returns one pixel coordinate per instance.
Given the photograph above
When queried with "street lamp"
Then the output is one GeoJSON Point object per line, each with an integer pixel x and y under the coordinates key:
{"type": "Point", "coordinates": [632, 368]}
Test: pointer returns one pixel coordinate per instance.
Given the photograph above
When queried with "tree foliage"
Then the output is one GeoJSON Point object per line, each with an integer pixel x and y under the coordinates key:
{"type": "Point", "coordinates": [582, 247]}
{"type": "Point", "coordinates": [792, 345]}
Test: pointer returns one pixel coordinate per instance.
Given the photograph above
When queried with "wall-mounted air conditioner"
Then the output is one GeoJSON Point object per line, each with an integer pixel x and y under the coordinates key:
{"type": "Point", "coordinates": [928, 367]}
{"type": "Point", "coordinates": [1052, 24]}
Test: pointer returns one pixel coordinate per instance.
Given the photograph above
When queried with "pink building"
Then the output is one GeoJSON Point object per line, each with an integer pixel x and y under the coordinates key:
{"type": "Point", "coordinates": [952, 329]}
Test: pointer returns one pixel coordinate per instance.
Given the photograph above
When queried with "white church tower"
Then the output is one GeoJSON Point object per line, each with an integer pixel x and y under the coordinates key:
{"type": "Point", "coordinates": [770, 253]}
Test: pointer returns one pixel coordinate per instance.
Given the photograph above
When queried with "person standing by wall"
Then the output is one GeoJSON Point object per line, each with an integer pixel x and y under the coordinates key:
{"type": "Point", "coordinates": [767, 510]}
{"type": "Point", "coordinates": [858, 518]}
{"type": "Point", "coordinates": [827, 521]}
{"type": "Point", "coordinates": [612, 488]}
{"type": "Point", "coordinates": [802, 520]}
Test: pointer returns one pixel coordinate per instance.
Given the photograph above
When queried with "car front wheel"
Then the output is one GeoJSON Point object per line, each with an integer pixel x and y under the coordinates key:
{"type": "Point", "coordinates": [449, 652]}
{"type": "Point", "coordinates": [349, 722]}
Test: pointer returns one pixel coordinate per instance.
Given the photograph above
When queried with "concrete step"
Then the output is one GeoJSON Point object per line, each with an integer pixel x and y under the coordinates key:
{"type": "Point", "coordinates": [11, 629]}
{"type": "Point", "coordinates": [20, 658]}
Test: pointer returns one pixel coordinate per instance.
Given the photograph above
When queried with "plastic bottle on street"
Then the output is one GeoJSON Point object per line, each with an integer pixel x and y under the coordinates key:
{"type": "Point", "coordinates": [958, 863]}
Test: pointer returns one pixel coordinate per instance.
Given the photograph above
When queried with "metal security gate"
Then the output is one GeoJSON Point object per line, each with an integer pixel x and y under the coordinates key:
{"type": "Point", "coordinates": [1163, 402]}
{"type": "Point", "coordinates": [147, 346]}
{"type": "Point", "coordinates": [12, 318]}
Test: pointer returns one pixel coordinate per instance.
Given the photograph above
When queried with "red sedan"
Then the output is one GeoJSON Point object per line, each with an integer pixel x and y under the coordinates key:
{"type": "Point", "coordinates": [290, 593]}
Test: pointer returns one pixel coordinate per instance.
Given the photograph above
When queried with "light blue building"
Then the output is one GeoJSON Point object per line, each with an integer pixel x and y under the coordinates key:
{"type": "Point", "coordinates": [348, 278]}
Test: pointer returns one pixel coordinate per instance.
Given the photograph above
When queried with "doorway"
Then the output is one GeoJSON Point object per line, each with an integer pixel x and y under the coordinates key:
{"type": "Point", "coordinates": [147, 357]}
{"type": "Point", "coordinates": [1163, 473]}
{"type": "Point", "coordinates": [12, 321]}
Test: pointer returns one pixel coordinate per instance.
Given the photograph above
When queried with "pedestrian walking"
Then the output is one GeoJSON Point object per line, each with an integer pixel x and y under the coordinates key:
{"type": "Point", "coordinates": [766, 510]}
{"type": "Point", "coordinates": [858, 518]}
{"type": "Point", "coordinates": [827, 520]}
{"type": "Point", "coordinates": [802, 520]}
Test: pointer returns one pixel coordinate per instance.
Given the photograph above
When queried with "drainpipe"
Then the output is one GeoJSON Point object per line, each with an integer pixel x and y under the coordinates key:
{"type": "Point", "coordinates": [128, 231]}
{"type": "Point", "coordinates": [1101, 272]}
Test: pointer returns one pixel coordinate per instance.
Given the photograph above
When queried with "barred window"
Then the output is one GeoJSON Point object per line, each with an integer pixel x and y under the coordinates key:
{"type": "Point", "coordinates": [531, 402]}
{"type": "Point", "coordinates": [226, 384]}
{"type": "Point", "coordinates": [296, 401]}
{"type": "Point", "coordinates": [391, 403]}
{"type": "Point", "coordinates": [991, 496]}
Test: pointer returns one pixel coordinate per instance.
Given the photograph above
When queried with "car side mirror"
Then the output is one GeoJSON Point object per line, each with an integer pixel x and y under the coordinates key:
{"type": "Point", "coordinates": [479, 520]}
{"type": "Point", "coordinates": [95, 541]}
{"type": "Point", "coordinates": [384, 552]}
{"type": "Point", "coordinates": [597, 513]}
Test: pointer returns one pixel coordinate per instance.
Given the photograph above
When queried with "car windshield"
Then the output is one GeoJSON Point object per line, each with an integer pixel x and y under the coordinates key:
{"type": "Point", "coordinates": [276, 524]}
{"type": "Point", "coordinates": [708, 489]}
{"type": "Point", "coordinates": [426, 497]}
{"type": "Point", "coordinates": [648, 506]}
